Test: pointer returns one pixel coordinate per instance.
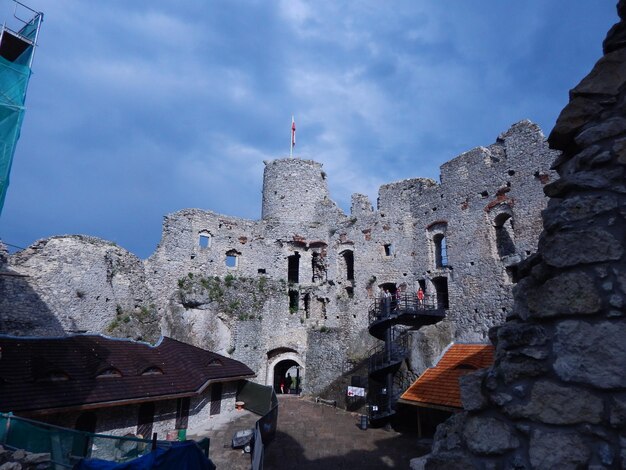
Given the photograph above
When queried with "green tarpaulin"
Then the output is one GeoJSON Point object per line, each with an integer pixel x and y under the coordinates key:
{"type": "Point", "coordinates": [16, 52]}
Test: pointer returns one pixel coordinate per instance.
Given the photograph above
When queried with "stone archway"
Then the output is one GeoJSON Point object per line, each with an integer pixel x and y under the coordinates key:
{"type": "Point", "coordinates": [279, 362]}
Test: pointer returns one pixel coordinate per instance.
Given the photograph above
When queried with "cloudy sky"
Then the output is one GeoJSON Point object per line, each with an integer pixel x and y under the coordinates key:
{"type": "Point", "coordinates": [140, 108]}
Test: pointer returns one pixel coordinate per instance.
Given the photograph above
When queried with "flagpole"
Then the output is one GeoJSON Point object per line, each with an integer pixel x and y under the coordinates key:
{"type": "Point", "coordinates": [292, 142]}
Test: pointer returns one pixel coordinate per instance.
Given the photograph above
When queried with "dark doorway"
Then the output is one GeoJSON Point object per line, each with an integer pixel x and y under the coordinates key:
{"type": "Point", "coordinates": [390, 286]}
{"type": "Point", "coordinates": [182, 413]}
{"type": "Point", "coordinates": [145, 420]}
{"type": "Point", "coordinates": [81, 443]}
{"type": "Point", "coordinates": [216, 399]}
{"type": "Point", "coordinates": [293, 268]}
{"type": "Point", "coordinates": [287, 374]}
{"type": "Point", "coordinates": [441, 288]}
{"type": "Point", "coordinates": [86, 422]}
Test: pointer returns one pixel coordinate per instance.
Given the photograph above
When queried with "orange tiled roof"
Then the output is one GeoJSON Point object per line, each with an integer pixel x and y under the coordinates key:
{"type": "Point", "coordinates": [439, 385]}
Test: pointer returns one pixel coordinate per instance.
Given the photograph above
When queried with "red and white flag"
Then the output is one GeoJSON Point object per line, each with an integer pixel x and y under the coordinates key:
{"type": "Point", "coordinates": [293, 133]}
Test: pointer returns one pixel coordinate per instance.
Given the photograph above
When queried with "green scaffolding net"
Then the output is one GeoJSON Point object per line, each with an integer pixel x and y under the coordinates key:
{"type": "Point", "coordinates": [16, 55]}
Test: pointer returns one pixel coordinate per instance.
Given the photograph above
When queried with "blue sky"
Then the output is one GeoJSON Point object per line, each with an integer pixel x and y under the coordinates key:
{"type": "Point", "coordinates": [140, 108]}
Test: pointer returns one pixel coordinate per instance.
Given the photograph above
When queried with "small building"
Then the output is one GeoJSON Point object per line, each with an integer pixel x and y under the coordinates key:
{"type": "Point", "coordinates": [436, 394]}
{"type": "Point", "coordinates": [99, 384]}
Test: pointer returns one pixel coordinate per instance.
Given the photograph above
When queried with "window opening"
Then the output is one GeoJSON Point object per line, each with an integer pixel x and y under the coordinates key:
{"type": "Point", "coordinates": [323, 305]}
{"type": "Point", "coordinates": [505, 245]}
{"type": "Point", "coordinates": [387, 249]}
{"type": "Point", "coordinates": [318, 265]}
{"type": "Point", "coordinates": [261, 271]}
{"type": "Point", "coordinates": [350, 291]}
{"type": "Point", "coordinates": [293, 301]}
{"type": "Point", "coordinates": [109, 372]}
{"type": "Point", "coordinates": [204, 240]}
{"type": "Point", "coordinates": [348, 259]}
{"type": "Point", "coordinates": [441, 251]}
{"type": "Point", "coordinates": [307, 305]}
{"type": "Point", "coordinates": [293, 268]}
{"type": "Point", "coordinates": [153, 370]}
{"type": "Point", "coordinates": [232, 258]}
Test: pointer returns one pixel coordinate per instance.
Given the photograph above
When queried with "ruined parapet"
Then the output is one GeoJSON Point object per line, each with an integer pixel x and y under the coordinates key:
{"type": "Point", "coordinates": [361, 205]}
{"type": "Point", "coordinates": [555, 397]}
{"type": "Point", "coordinates": [395, 199]}
{"type": "Point", "coordinates": [294, 191]}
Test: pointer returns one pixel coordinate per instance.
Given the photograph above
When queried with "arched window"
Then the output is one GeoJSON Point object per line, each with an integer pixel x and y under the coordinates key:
{"type": "Point", "coordinates": [441, 250]}
{"type": "Point", "coordinates": [436, 233]}
{"type": "Point", "coordinates": [204, 239]}
{"type": "Point", "coordinates": [109, 372]}
{"type": "Point", "coordinates": [232, 258]}
{"type": "Point", "coordinates": [503, 225]}
{"type": "Point", "coordinates": [152, 370]}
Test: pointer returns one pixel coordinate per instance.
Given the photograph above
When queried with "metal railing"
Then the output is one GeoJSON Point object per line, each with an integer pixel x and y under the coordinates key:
{"type": "Point", "coordinates": [387, 307]}
{"type": "Point", "coordinates": [381, 357]}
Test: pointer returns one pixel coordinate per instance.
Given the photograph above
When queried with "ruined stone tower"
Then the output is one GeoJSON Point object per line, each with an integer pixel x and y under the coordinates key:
{"type": "Point", "coordinates": [294, 191]}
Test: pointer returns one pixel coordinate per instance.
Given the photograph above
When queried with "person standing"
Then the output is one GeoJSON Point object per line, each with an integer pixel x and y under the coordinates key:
{"type": "Point", "coordinates": [420, 297]}
{"type": "Point", "coordinates": [288, 382]}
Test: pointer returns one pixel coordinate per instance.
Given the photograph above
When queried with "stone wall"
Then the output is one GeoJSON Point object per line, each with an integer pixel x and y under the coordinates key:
{"type": "Point", "coordinates": [301, 279]}
{"type": "Point", "coordinates": [555, 397]}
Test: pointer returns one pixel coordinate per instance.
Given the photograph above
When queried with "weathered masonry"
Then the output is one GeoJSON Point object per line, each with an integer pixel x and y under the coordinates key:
{"type": "Point", "coordinates": [293, 289]}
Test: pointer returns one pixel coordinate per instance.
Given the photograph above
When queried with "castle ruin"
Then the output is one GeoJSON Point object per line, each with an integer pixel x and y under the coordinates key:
{"type": "Point", "coordinates": [294, 288]}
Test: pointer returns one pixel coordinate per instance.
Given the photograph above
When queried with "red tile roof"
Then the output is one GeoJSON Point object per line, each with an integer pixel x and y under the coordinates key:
{"type": "Point", "coordinates": [439, 385]}
{"type": "Point", "coordinates": [49, 374]}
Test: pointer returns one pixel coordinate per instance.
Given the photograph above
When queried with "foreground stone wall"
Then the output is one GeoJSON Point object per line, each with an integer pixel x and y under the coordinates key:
{"type": "Point", "coordinates": [297, 284]}
{"type": "Point", "coordinates": [556, 396]}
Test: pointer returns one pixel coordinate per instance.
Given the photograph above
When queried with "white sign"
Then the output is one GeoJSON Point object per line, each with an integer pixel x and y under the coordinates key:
{"type": "Point", "coordinates": [356, 392]}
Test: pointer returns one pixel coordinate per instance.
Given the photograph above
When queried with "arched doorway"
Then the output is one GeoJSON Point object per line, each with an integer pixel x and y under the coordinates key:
{"type": "Point", "coordinates": [287, 374]}
{"type": "Point", "coordinates": [281, 364]}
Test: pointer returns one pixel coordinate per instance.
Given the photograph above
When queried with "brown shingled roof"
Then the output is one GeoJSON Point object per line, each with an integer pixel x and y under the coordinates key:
{"type": "Point", "coordinates": [53, 374]}
{"type": "Point", "coordinates": [439, 385]}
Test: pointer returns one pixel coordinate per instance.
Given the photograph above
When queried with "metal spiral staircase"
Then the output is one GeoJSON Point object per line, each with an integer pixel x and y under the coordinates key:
{"type": "Point", "coordinates": [387, 316]}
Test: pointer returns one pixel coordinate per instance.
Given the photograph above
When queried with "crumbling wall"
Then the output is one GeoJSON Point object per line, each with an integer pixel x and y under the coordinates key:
{"type": "Point", "coordinates": [555, 396]}
{"type": "Point", "coordinates": [323, 268]}
{"type": "Point", "coordinates": [76, 284]}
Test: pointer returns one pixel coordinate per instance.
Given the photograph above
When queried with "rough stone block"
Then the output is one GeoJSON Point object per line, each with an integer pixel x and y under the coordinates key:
{"type": "Point", "coordinates": [512, 335]}
{"type": "Point", "coordinates": [551, 403]}
{"type": "Point", "coordinates": [617, 413]}
{"type": "Point", "coordinates": [471, 391]}
{"type": "Point", "coordinates": [577, 208]}
{"type": "Point", "coordinates": [515, 366]}
{"type": "Point", "coordinates": [591, 353]}
{"type": "Point", "coordinates": [559, 449]}
{"type": "Point", "coordinates": [489, 436]}
{"type": "Point", "coordinates": [604, 130]}
{"type": "Point", "coordinates": [578, 112]}
{"type": "Point", "coordinates": [594, 245]}
{"type": "Point", "coordinates": [572, 293]}
{"type": "Point", "coordinates": [606, 78]}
